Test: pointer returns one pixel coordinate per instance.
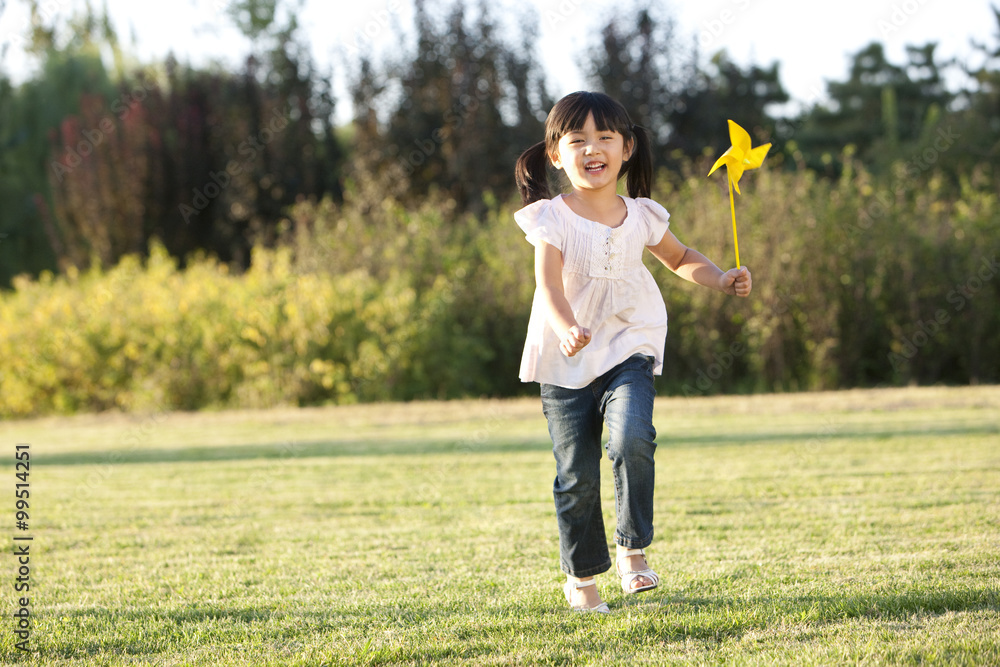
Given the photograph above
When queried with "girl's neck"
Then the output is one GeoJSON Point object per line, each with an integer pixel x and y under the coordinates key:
{"type": "Point", "coordinates": [606, 208]}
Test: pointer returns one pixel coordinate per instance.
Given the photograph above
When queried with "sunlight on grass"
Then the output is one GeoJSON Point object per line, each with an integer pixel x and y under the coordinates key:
{"type": "Point", "coordinates": [800, 529]}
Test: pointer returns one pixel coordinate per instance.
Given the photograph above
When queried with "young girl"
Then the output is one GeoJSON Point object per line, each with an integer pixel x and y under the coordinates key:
{"type": "Point", "coordinates": [597, 329]}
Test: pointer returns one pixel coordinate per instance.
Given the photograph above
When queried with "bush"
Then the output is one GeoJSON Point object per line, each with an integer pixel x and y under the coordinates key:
{"type": "Point", "coordinates": [856, 283]}
{"type": "Point", "coordinates": [850, 278]}
{"type": "Point", "coordinates": [143, 337]}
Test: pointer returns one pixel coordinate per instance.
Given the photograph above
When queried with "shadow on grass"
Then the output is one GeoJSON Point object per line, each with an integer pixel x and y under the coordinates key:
{"type": "Point", "coordinates": [417, 446]}
{"type": "Point", "coordinates": [655, 620]}
{"type": "Point", "coordinates": [679, 617]}
{"type": "Point", "coordinates": [284, 450]}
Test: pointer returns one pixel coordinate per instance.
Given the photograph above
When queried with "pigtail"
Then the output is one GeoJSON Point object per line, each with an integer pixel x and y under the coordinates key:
{"type": "Point", "coordinates": [531, 175]}
{"type": "Point", "coordinates": [639, 169]}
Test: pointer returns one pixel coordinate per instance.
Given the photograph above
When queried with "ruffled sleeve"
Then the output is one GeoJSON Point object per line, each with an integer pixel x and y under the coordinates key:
{"type": "Point", "coordinates": [539, 222]}
{"type": "Point", "coordinates": [656, 217]}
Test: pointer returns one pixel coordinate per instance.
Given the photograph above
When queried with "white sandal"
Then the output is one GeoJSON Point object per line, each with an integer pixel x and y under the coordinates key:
{"type": "Point", "coordinates": [570, 586]}
{"type": "Point", "coordinates": [629, 577]}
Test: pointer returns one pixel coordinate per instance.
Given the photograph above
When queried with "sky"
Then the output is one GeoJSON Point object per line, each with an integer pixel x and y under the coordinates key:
{"type": "Point", "coordinates": [811, 40]}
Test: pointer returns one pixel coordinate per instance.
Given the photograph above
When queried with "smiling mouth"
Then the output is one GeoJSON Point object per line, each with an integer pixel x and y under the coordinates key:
{"type": "Point", "coordinates": [594, 166]}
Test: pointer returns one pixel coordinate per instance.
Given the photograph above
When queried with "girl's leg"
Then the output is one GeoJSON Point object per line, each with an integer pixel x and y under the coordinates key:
{"type": "Point", "coordinates": [627, 403]}
{"type": "Point", "coordinates": [575, 426]}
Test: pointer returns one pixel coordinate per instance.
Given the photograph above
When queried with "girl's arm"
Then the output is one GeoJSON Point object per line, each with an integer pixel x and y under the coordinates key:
{"type": "Point", "coordinates": [691, 265]}
{"type": "Point", "coordinates": [548, 279]}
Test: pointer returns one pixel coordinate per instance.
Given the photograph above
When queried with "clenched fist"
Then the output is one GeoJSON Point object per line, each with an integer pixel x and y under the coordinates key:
{"type": "Point", "coordinates": [574, 340]}
{"type": "Point", "coordinates": [736, 282]}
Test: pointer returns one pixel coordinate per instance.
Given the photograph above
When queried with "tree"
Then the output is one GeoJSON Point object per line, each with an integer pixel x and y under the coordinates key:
{"type": "Point", "coordinates": [453, 115]}
{"type": "Point", "coordinates": [201, 160]}
{"type": "Point", "coordinates": [882, 109]}
{"type": "Point", "coordinates": [71, 71]}
{"type": "Point", "coordinates": [975, 124]}
{"type": "Point", "coordinates": [725, 91]}
{"type": "Point", "coordinates": [640, 64]}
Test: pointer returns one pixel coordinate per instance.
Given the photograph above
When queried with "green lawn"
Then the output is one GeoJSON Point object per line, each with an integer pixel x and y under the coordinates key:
{"type": "Point", "coordinates": [850, 527]}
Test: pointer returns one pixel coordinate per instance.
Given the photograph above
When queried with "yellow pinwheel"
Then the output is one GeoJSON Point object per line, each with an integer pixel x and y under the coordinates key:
{"type": "Point", "coordinates": [738, 159]}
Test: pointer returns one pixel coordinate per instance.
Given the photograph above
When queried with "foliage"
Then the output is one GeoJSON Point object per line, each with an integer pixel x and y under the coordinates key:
{"type": "Point", "coordinates": [29, 113]}
{"type": "Point", "coordinates": [882, 109]}
{"type": "Point", "coordinates": [203, 161]}
{"type": "Point", "coordinates": [725, 90]}
{"type": "Point", "coordinates": [96, 165]}
{"type": "Point", "coordinates": [349, 311]}
{"type": "Point", "coordinates": [856, 284]}
{"type": "Point", "coordinates": [453, 115]}
{"type": "Point", "coordinates": [873, 250]}
{"type": "Point", "coordinates": [96, 162]}
{"type": "Point", "coordinates": [144, 335]}
{"type": "Point", "coordinates": [642, 61]}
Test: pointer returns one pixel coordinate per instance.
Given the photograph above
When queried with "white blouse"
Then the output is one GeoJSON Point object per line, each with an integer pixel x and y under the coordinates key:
{"type": "Point", "coordinates": [608, 288]}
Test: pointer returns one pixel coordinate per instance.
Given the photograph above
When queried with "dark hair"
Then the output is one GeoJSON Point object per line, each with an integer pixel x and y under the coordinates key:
{"type": "Point", "coordinates": [568, 115]}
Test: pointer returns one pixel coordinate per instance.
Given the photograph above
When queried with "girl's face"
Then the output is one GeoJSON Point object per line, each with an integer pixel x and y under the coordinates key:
{"type": "Point", "coordinates": [591, 158]}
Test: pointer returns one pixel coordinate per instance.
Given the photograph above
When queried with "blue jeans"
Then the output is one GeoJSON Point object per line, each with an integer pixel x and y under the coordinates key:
{"type": "Point", "coordinates": [623, 397]}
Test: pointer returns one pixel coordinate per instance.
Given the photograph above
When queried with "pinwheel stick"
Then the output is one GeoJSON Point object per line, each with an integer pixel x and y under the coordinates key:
{"type": "Point", "coordinates": [732, 207]}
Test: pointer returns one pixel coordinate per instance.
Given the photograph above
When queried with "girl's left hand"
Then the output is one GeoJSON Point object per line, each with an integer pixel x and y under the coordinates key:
{"type": "Point", "coordinates": [736, 282]}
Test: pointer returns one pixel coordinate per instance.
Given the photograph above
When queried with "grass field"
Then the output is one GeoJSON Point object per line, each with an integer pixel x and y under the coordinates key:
{"type": "Point", "coordinates": [835, 528]}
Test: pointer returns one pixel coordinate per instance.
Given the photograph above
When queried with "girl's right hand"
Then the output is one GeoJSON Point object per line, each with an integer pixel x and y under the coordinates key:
{"type": "Point", "coordinates": [574, 340]}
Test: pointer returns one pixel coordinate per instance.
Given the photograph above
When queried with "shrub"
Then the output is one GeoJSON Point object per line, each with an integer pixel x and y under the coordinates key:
{"type": "Point", "coordinates": [857, 282]}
